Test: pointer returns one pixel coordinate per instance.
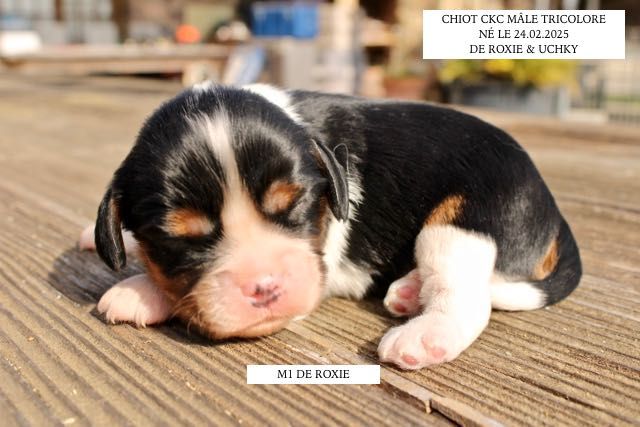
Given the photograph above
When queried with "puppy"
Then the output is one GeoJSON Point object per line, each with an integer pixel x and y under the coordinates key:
{"type": "Point", "coordinates": [249, 205]}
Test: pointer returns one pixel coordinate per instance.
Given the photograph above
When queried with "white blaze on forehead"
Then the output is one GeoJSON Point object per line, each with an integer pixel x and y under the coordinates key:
{"type": "Point", "coordinates": [217, 131]}
{"type": "Point", "coordinates": [238, 208]}
{"type": "Point", "coordinates": [275, 96]}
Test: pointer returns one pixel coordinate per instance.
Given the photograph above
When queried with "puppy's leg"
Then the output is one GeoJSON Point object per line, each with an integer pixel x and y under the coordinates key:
{"type": "Point", "coordinates": [87, 241]}
{"type": "Point", "coordinates": [455, 267]}
{"type": "Point", "coordinates": [403, 296]}
{"type": "Point", "coordinates": [137, 300]}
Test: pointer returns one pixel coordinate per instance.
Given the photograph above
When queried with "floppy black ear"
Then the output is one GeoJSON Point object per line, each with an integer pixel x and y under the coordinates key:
{"type": "Point", "coordinates": [108, 234]}
{"type": "Point", "coordinates": [335, 165]}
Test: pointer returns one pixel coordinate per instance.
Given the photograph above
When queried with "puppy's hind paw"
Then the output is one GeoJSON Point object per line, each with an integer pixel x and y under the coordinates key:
{"type": "Point", "coordinates": [425, 340]}
{"type": "Point", "coordinates": [136, 300]}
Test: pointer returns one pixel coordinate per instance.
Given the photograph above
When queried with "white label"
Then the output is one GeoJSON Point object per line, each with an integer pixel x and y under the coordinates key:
{"type": "Point", "coordinates": [532, 34]}
{"type": "Point", "coordinates": [313, 374]}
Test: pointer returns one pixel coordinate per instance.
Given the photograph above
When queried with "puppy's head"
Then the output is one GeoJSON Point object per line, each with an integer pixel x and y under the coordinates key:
{"type": "Point", "coordinates": [229, 198]}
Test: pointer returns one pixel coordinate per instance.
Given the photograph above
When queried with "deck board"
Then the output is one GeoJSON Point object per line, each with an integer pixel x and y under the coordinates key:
{"type": "Point", "coordinates": [576, 363]}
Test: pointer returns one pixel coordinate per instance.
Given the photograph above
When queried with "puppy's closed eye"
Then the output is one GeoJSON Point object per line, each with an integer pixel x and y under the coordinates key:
{"type": "Point", "coordinates": [188, 222]}
{"type": "Point", "coordinates": [280, 197]}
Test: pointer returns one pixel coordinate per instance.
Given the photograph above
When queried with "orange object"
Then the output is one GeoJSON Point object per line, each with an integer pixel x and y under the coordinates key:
{"type": "Point", "coordinates": [187, 34]}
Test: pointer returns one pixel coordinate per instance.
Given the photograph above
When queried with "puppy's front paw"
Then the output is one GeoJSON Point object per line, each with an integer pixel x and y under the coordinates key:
{"type": "Point", "coordinates": [137, 300]}
{"type": "Point", "coordinates": [403, 296]}
{"type": "Point", "coordinates": [425, 340]}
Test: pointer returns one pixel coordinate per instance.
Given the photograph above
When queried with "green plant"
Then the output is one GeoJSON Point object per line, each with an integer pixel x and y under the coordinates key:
{"type": "Point", "coordinates": [522, 72]}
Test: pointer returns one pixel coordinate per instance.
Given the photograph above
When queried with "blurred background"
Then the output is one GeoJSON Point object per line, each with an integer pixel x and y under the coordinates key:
{"type": "Point", "coordinates": [366, 47]}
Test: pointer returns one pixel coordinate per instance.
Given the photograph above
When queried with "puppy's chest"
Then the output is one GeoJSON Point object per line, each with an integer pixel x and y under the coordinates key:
{"type": "Point", "coordinates": [344, 277]}
{"type": "Point", "coordinates": [365, 248]}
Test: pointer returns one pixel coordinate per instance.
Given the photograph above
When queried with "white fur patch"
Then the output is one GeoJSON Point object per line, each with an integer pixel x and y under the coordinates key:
{"type": "Point", "coordinates": [515, 296]}
{"type": "Point", "coordinates": [217, 131]}
{"type": "Point", "coordinates": [344, 278]}
{"type": "Point", "coordinates": [275, 96]}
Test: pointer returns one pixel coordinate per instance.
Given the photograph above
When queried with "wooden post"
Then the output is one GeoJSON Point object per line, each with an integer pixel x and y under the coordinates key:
{"type": "Point", "coordinates": [58, 10]}
{"type": "Point", "coordinates": [120, 17]}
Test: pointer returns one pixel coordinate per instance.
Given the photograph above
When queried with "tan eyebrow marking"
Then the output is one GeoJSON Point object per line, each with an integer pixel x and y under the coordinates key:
{"type": "Point", "coordinates": [188, 222]}
{"type": "Point", "coordinates": [280, 196]}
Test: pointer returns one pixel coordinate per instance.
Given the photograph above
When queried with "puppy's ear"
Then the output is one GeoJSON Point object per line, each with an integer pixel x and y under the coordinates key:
{"type": "Point", "coordinates": [108, 234]}
{"type": "Point", "coordinates": [335, 167]}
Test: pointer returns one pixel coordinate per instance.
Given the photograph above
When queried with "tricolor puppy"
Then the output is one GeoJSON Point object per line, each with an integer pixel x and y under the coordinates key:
{"type": "Point", "coordinates": [250, 205]}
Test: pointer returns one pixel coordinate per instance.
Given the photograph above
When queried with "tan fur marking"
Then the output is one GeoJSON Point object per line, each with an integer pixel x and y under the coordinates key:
{"type": "Point", "coordinates": [447, 211]}
{"type": "Point", "coordinates": [280, 196]}
{"type": "Point", "coordinates": [188, 222]}
{"type": "Point", "coordinates": [547, 263]}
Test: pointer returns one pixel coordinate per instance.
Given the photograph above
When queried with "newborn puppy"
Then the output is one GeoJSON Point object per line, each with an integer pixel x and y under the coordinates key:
{"type": "Point", "coordinates": [250, 205]}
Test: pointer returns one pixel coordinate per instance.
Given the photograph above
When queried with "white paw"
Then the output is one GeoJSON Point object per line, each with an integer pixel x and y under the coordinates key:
{"type": "Point", "coordinates": [403, 296]}
{"type": "Point", "coordinates": [137, 300]}
{"type": "Point", "coordinates": [425, 340]}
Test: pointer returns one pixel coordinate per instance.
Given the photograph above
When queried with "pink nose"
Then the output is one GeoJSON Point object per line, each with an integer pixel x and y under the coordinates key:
{"type": "Point", "coordinates": [262, 293]}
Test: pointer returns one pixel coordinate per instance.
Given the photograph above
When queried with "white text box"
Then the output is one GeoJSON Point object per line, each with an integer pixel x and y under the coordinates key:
{"type": "Point", "coordinates": [313, 374]}
{"type": "Point", "coordinates": [523, 34]}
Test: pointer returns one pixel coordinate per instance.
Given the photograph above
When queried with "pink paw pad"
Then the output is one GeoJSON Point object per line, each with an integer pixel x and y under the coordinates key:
{"type": "Point", "coordinates": [425, 340]}
{"type": "Point", "coordinates": [409, 292]}
{"type": "Point", "coordinates": [437, 352]}
{"type": "Point", "coordinates": [136, 300]}
{"type": "Point", "coordinates": [409, 360]}
{"type": "Point", "coordinates": [403, 296]}
{"type": "Point", "coordinates": [399, 308]}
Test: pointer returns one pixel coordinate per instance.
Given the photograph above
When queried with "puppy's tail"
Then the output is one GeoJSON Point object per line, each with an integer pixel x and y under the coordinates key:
{"type": "Point", "coordinates": [557, 285]}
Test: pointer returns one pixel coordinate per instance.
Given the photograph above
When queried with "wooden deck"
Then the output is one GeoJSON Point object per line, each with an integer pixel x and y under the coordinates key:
{"type": "Point", "coordinates": [577, 363]}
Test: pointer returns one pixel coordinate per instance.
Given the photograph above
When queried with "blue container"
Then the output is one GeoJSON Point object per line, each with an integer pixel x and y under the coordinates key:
{"type": "Point", "coordinates": [297, 19]}
{"type": "Point", "coordinates": [305, 20]}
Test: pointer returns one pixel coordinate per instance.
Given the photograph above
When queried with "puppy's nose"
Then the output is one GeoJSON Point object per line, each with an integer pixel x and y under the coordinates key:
{"type": "Point", "coordinates": [263, 292]}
